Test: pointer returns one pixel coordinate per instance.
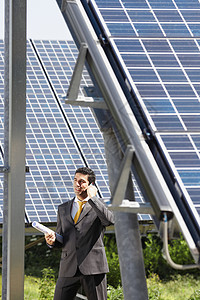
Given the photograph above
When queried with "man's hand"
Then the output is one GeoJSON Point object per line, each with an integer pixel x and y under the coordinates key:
{"type": "Point", "coordinates": [91, 191]}
{"type": "Point", "coordinates": [50, 238]}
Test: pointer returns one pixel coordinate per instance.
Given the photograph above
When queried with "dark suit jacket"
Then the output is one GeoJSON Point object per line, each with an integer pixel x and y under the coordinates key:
{"type": "Point", "coordinates": [83, 242]}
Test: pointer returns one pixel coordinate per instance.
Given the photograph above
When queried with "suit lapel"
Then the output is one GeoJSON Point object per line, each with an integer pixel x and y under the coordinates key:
{"type": "Point", "coordinates": [84, 212]}
{"type": "Point", "coordinates": [68, 209]}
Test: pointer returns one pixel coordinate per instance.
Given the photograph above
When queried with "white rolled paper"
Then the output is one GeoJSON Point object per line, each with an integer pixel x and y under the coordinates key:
{"type": "Point", "coordinates": [41, 227]}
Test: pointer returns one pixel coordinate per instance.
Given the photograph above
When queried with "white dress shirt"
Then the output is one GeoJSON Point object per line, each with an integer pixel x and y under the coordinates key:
{"type": "Point", "coordinates": [75, 206]}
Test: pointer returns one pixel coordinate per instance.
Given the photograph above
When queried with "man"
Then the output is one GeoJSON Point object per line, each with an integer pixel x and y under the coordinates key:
{"type": "Point", "coordinates": [83, 259]}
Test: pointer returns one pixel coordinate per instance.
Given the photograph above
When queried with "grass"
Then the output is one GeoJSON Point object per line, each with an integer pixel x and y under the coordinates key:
{"type": "Point", "coordinates": [179, 288]}
{"type": "Point", "coordinates": [31, 288]}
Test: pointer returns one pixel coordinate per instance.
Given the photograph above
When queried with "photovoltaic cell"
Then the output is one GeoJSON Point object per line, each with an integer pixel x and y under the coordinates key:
{"type": "Point", "coordinates": [52, 154]}
{"type": "Point", "coordinates": [51, 151]}
{"type": "Point", "coordinates": [59, 137]}
{"type": "Point", "coordinates": [159, 49]}
{"type": "Point", "coordinates": [80, 120]}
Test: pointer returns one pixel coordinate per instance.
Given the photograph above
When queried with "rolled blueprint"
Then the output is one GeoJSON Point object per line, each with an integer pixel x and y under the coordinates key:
{"type": "Point", "coordinates": [41, 227]}
{"type": "Point", "coordinates": [45, 230]}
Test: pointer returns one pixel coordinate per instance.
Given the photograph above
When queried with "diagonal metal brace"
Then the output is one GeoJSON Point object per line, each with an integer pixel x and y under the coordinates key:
{"type": "Point", "coordinates": [72, 93]}
{"type": "Point", "coordinates": [122, 181]}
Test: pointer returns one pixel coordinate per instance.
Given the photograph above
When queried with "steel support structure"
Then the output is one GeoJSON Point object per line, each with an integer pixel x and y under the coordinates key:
{"type": "Point", "coordinates": [146, 171]}
{"type": "Point", "coordinates": [127, 132]}
{"type": "Point", "coordinates": [14, 150]}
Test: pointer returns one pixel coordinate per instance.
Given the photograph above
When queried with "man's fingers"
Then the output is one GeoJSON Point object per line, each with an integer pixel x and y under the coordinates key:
{"type": "Point", "coordinates": [91, 191]}
{"type": "Point", "coordinates": [50, 238]}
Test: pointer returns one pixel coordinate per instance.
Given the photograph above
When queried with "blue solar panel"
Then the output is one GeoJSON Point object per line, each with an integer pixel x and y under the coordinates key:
{"type": "Point", "coordinates": [52, 151]}
{"type": "Point", "coordinates": [80, 119]}
{"type": "Point", "coordinates": [60, 137]}
{"type": "Point", "coordinates": [157, 44]}
{"type": "Point", "coordinates": [58, 59]}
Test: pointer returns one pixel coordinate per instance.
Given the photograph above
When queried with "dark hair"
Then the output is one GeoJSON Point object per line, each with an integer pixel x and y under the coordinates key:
{"type": "Point", "coordinates": [89, 172]}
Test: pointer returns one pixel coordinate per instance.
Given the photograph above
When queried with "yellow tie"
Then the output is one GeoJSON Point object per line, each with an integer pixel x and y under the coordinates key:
{"type": "Point", "coordinates": [80, 203]}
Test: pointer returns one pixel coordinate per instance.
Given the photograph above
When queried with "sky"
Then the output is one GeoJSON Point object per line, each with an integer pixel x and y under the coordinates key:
{"type": "Point", "coordinates": [44, 21]}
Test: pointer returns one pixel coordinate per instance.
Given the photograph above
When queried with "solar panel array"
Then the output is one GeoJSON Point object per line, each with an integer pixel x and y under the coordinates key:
{"type": "Point", "coordinates": [158, 45]}
{"type": "Point", "coordinates": [60, 137]}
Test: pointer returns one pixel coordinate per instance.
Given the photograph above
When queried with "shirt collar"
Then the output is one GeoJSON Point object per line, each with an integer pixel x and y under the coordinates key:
{"type": "Point", "coordinates": [76, 199]}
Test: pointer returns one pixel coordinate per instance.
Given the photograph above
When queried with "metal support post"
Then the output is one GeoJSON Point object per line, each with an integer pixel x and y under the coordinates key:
{"type": "Point", "coordinates": [126, 229]}
{"type": "Point", "coordinates": [14, 150]}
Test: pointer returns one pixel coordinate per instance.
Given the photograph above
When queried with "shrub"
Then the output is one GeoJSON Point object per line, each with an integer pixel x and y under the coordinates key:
{"type": "Point", "coordinates": [153, 285]}
{"type": "Point", "coordinates": [195, 296]}
{"type": "Point", "coordinates": [47, 284]}
{"type": "Point", "coordinates": [39, 257]}
{"type": "Point", "coordinates": [114, 276]}
{"type": "Point", "coordinates": [179, 251]}
{"type": "Point", "coordinates": [115, 294]}
{"type": "Point", "coordinates": [154, 261]}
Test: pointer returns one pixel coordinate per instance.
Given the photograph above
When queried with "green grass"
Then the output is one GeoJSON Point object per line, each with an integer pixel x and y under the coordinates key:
{"type": "Point", "coordinates": [31, 288]}
{"type": "Point", "coordinates": [179, 288]}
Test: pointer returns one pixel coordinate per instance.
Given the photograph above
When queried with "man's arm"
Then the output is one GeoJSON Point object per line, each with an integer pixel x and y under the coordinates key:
{"type": "Point", "coordinates": [104, 214]}
{"type": "Point", "coordinates": [54, 238]}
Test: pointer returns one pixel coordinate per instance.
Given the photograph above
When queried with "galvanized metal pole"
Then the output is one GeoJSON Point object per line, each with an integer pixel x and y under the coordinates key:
{"type": "Point", "coordinates": [14, 150]}
{"type": "Point", "coordinates": [6, 162]}
{"type": "Point", "coordinates": [126, 229]}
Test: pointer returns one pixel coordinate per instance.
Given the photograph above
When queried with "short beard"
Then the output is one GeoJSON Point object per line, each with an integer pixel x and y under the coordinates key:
{"type": "Point", "coordinates": [83, 195]}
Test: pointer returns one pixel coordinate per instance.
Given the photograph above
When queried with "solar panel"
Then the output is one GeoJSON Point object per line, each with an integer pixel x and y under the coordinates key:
{"type": "Point", "coordinates": [60, 137]}
{"type": "Point", "coordinates": [52, 154]}
{"type": "Point", "coordinates": [158, 46]}
{"type": "Point", "coordinates": [80, 119]}
{"type": "Point", "coordinates": [52, 151]}
{"type": "Point", "coordinates": [58, 59]}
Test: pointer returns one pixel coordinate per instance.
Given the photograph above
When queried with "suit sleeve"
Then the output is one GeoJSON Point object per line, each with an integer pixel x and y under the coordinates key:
{"type": "Point", "coordinates": [59, 237]}
{"type": "Point", "coordinates": [105, 215]}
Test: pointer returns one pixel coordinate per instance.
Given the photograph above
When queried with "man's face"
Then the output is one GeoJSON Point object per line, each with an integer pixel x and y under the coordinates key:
{"type": "Point", "coordinates": [80, 185]}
